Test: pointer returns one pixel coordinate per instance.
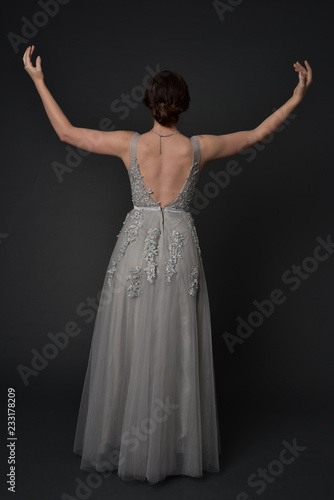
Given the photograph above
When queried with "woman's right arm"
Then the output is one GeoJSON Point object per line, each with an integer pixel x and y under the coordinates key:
{"type": "Point", "coordinates": [221, 146]}
{"type": "Point", "coordinates": [95, 141]}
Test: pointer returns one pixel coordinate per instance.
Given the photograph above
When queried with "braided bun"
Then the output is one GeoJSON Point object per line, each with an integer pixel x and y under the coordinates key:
{"type": "Point", "coordinates": [167, 96]}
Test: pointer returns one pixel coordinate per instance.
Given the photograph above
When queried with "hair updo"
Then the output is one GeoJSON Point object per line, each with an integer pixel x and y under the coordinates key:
{"type": "Point", "coordinates": [167, 96]}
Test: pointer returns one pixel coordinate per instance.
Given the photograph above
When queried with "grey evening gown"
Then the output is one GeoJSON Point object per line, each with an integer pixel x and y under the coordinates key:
{"type": "Point", "coordinates": [148, 406]}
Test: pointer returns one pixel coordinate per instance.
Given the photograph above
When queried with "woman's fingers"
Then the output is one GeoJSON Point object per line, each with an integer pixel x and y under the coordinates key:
{"type": "Point", "coordinates": [38, 64]}
{"type": "Point", "coordinates": [309, 72]}
{"type": "Point", "coordinates": [28, 61]}
{"type": "Point", "coordinates": [27, 57]}
{"type": "Point", "coordinates": [301, 68]}
{"type": "Point", "coordinates": [28, 66]}
{"type": "Point", "coordinates": [36, 71]}
{"type": "Point", "coordinates": [305, 77]}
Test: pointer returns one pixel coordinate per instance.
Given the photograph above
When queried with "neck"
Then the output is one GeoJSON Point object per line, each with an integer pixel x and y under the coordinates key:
{"type": "Point", "coordinates": [162, 130]}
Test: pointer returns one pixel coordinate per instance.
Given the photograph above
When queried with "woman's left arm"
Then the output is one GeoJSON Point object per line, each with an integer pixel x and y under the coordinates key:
{"type": "Point", "coordinates": [96, 141]}
{"type": "Point", "coordinates": [270, 124]}
{"type": "Point", "coordinates": [221, 146]}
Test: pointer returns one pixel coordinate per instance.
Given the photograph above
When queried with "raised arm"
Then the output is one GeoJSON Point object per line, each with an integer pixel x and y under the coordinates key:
{"type": "Point", "coordinates": [96, 141]}
{"type": "Point", "coordinates": [221, 146]}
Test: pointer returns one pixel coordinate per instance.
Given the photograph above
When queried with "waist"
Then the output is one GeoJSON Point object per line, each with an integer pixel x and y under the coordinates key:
{"type": "Point", "coordinates": [161, 209]}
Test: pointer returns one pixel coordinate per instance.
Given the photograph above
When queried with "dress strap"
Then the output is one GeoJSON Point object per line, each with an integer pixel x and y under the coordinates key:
{"type": "Point", "coordinates": [197, 149]}
{"type": "Point", "coordinates": [133, 147]}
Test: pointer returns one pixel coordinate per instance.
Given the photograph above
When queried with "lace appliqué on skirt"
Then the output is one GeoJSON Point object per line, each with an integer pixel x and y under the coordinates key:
{"type": "Point", "coordinates": [194, 281]}
{"type": "Point", "coordinates": [191, 225]}
{"type": "Point", "coordinates": [131, 232]}
{"type": "Point", "coordinates": [134, 277]}
{"type": "Point", "coordinates": [175, 249]}
{"type": "Point", "coordinates": [150, 251]}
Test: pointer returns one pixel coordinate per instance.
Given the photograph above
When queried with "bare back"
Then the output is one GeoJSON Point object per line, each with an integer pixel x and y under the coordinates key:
{"type": "Point", "coordinates": [167, 172]}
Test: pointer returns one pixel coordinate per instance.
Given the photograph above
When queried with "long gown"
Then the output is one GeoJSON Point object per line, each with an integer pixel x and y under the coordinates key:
{"type": "Point", "coordinates": [148, 406]}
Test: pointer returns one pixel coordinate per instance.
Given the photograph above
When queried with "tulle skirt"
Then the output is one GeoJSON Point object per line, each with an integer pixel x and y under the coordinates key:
{"type": "Point", "coordinates": [148, 405]}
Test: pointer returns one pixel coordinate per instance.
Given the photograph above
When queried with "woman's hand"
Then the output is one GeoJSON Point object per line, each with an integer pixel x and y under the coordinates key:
{"type": "Point", "coordinates": [305, 79]}
{"type": "Point", "coordinates": [36, 73]}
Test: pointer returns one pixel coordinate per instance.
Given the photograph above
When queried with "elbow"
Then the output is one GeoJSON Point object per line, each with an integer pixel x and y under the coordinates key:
{"type": "Point", "coordinates": [260, 135]}
{"type": "Point", "coordinates": [257, 136]}
{"type": "Point", "coordinates": [63, 137]}
{"type": "Point", "coordinates": [66, 133]}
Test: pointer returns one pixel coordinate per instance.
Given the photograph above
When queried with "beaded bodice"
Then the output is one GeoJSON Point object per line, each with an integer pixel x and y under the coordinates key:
{"type": "Point", "coordinates": [141, 195]}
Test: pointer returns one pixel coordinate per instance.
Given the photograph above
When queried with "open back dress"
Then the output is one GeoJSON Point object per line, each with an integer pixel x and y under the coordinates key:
{"type": "Point", "coordinates": [148, 406]}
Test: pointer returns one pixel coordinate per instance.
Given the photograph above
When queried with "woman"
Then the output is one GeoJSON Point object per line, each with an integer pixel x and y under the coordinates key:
{"type": "Point", "coordinates": [148, 406]}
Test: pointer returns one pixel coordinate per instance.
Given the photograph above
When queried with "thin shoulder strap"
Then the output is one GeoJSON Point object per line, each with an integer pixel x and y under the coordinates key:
{"type": "Point", "coordinates": [133, 146]}
{"type": "Point", "coordinates": [197, 148]}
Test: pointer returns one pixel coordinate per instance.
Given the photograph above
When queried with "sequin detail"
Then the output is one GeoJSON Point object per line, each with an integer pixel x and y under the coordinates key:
{"type": "Point", "coordinates": [131, 232]}
{"type": "Point", "coordinates": [185, 196]}
{"type": "Point", "coordinates": [175, 249]}
{"type": "Point", "coordinates": [192, 227]}
{"type": "Point", "coordinates": [194, 281]}
{"type": "Point", "coordinates": [134, 277]}
{"type": "Point", "coordinates": [150, 251]}
{"type": "Point", "coordinates": [141, 196]}
{"type": "Point", "coordinates": [111, 271]}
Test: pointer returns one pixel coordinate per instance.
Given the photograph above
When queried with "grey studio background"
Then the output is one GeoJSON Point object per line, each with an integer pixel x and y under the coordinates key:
{"type": "Point", "coordinates": [268, 227]}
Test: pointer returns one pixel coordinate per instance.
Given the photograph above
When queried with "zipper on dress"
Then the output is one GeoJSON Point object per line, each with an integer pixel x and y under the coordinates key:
{"type": "Point", "coordinates": [162, 213]}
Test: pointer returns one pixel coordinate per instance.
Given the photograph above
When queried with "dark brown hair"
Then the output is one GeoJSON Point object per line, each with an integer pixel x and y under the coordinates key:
{"type": "Point", "coordinates": [166, 96]}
